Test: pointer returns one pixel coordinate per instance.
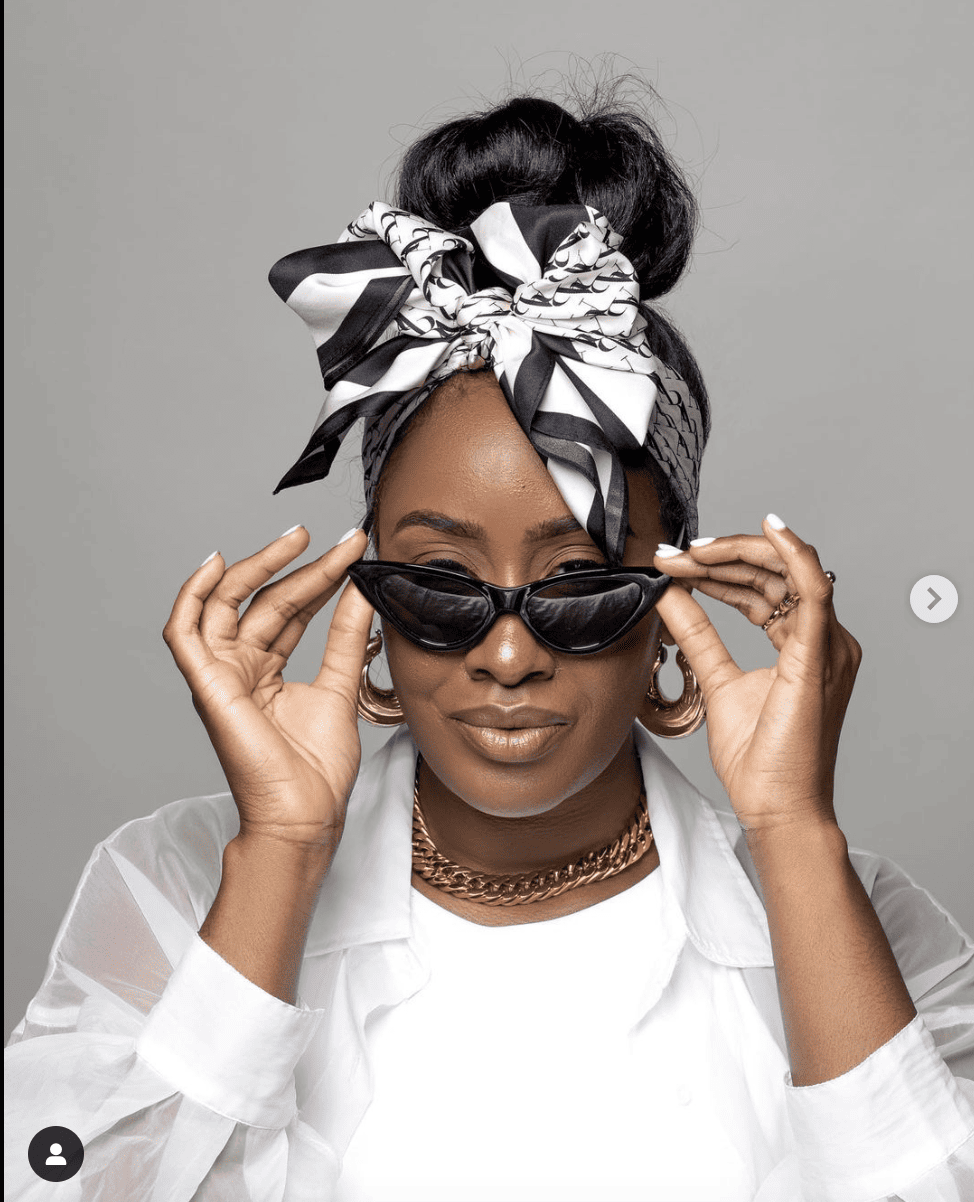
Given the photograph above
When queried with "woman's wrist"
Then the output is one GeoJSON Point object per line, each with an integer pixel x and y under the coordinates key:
{"type": "Point", "coordinates": [788, 842]}
{"type": "Point", "coordinates": [842, 995]}
{"type": "Point", "coordinates": [260, 917]}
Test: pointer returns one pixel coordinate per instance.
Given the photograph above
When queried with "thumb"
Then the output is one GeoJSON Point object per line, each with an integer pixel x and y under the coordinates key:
{"type": "Point", "coordinates": [348, 637]}
{"type": "Point", "coordinates": [692, 631]}
{"type": "Point", "coordinates": [665, 635]}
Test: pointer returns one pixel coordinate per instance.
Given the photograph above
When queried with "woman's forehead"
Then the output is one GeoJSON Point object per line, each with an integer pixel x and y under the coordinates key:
{"type": "Point", "coordinates": [469, 470]}
{"type": "Point", "coordinates": [468, 451]}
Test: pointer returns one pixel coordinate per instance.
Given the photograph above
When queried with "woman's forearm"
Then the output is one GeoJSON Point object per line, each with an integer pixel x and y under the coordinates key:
{"type": "Point", "coordinates": [260, 917]}
{"type": "Point", "coordinates": [841, 992]}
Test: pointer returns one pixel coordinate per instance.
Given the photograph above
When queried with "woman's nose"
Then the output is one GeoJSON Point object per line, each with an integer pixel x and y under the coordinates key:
{"type": "Point", "coordinates": [510, 654]}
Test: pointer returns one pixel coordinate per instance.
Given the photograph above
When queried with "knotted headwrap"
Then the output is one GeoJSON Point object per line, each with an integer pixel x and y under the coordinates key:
{"type": "Point", "coordinates": [539, 293]}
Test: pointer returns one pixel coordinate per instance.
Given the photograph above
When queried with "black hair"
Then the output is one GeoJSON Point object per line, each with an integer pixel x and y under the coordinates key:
{"type": "Point", "coordinates": [532, 150]}
{"type": "Point", "coordinates": [535, 151]}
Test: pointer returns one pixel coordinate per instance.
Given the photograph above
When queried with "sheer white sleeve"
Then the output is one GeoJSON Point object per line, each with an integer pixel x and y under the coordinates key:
{"type": "Point", "coordinates": [175, 1071]}
{"type": "Point", "coordinates": [900, 1125]}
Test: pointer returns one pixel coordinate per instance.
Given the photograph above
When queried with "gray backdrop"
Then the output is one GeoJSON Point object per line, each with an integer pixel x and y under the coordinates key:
{"type": "Point", "coordinates": [163, 156]}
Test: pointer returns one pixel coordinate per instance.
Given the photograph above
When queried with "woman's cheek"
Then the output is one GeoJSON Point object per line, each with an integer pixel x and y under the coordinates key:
{"type": "Point", "coordinates": [416, 674]}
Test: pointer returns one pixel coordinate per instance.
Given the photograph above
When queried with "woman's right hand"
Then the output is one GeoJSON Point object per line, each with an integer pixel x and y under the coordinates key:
{"type": "Point", "coordinates": [290, 751]}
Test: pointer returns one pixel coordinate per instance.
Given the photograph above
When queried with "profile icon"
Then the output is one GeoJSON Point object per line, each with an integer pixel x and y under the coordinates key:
{"type": "Point", "coordinates": [56, 1154]}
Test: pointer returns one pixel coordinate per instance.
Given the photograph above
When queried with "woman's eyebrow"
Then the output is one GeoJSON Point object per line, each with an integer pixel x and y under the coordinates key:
{"type": "Point", "coordinates": [440, 521]}
{"type": "Point", "coordinates": [552, 528]}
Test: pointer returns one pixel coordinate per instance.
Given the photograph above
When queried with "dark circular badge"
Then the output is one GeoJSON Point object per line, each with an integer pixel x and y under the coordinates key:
{"type": "Point", "coordinates": [56, 1153]}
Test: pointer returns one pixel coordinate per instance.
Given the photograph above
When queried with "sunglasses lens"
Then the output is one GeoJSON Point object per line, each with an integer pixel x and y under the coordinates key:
{"type": "Point", "coordinates": [585, 613]}
{"type": "Point", "coordinates": [447, 612]}
{"type": "Point", "coordinates": [430, 609]}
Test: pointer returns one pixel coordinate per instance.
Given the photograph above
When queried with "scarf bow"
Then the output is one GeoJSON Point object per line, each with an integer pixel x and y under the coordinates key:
{"type": "Point", "coordinates": [540, 294]}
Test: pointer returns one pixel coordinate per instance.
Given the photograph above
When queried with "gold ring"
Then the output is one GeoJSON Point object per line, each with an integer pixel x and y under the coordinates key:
{"type": "Point", "coordinates": [789, 603]}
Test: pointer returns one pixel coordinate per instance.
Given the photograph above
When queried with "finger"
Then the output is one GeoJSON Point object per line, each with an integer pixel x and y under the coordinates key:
{"type": "Point", "coordinates": [279, 614]}
{"type": "Point", "coordinates": [755, 604]}
{"type": "Point", "coordinates": [221, 610]}
{"type": "Point", "coordinates": [770, 587]}
{"type": "Point", "coordinates": [755, 564]}
{"type": "Point", "coordinates": [813, 619]}
{"type": "Point", "coordinates": [743, 548]}
{"type": "Point", "coordinates": [696, 637]}
{"type": "Point", "coordinates": [293, 632]}
{"type": "Point", "coordinates": [348, 637]}
{"type": "Point", "coordinates": [182, 632]}
{"type": "Point", "coordinates": [750, 560]}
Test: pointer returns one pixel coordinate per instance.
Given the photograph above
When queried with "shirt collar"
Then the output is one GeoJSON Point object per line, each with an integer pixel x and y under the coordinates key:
{"type": "Point", "coordinates": [701, 873]}
{"type": "Point", "coordinates": [366, 896]}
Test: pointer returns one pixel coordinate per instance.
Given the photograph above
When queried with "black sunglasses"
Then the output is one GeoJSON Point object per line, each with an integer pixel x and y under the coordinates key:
{"type": "Point", "coordinates": [576, 613]}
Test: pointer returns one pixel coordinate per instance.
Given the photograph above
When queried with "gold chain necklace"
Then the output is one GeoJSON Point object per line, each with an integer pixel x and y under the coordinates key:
{"type": "Point", "coordinates": [515, 889]}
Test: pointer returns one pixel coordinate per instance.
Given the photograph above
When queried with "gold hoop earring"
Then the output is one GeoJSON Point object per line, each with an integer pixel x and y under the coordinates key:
{"type": "Point", "coordinates": [375, 705]}
{"type": "Point", "coordinates": [673, 719]}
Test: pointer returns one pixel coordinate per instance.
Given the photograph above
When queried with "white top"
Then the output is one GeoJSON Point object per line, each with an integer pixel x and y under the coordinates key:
{"type": "Point", "coordinates": [186, 1081]}
{"type": "Point", "coordinates": [522, 1037]}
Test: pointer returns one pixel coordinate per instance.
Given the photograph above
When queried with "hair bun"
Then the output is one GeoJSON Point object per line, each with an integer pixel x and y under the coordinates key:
{"type": "Point", "coordinates": [533, 150]}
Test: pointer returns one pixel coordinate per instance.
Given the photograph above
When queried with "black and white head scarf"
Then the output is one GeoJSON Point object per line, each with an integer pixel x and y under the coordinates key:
{"type": "Point", "coordinates": [539, 293]}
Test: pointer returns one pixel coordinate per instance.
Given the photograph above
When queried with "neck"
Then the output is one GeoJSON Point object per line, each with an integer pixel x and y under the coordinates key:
{"type": "Point", "coordinates": [588, 820]}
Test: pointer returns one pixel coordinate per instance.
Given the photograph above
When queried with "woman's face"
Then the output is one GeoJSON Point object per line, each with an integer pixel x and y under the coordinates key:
{"type": "Point", "coordinates": [467, 491]}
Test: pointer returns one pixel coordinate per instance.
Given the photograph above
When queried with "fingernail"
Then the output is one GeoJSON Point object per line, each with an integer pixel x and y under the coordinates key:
{"type": "Point", "coordinates": [291, 531]}
{"type": "Point", "coordinates": [345, 537]}
{"type": "Point", "coordinates": [208, 558]}
{"type": "Point", "coordinates": [700, 542]}
{"type": "Point", "coordinates": [775, 522]}
{"type": "Point", "coordinates": [664, 551]}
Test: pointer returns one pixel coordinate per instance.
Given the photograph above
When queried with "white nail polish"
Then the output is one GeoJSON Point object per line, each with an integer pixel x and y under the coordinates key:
{"type": "Point", "coordinates": [345, 537]}
{"type": "Point", "coordinates": [291, 531]}
{"type": "Point", "coordinates": [208, 559]}
{"type": "Point", "coordinates": [665, 551]}
{"type": "Point", "coordinates": [700, 542]}
{"type": "Point", "coordinates": [775, 522]}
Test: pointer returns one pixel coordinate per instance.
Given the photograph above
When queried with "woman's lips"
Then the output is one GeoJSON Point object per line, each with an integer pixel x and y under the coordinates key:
{"type": "Point", "coordinates": [511, 745]}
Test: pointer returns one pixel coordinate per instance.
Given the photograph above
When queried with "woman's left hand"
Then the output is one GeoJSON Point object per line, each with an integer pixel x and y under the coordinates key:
{"type": "Point", "coordinates": [773, 732]}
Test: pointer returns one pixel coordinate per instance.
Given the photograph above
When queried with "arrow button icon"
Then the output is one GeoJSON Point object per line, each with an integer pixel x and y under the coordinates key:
{"type": "Point", "coordinates": [933, 598]}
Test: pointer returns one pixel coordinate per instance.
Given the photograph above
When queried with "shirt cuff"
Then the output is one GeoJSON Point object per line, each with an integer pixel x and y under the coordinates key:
{"type": "Point", "coordinates": [882, 1125]}
{"type": "Point", "coordinates": [224, 1042]}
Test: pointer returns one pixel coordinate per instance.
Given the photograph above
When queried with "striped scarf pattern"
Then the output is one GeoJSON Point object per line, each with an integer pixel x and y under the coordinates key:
{"type": "Point", "coordinates": [539, 293]}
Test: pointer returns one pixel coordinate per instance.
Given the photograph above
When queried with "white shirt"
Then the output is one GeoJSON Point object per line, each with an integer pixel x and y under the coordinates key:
{"type": "Point", "coordinates": [186, 1081]}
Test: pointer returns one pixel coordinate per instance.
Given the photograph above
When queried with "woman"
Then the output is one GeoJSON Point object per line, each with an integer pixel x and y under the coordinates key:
{"type": "Point", "coordinates": [575, 978]}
